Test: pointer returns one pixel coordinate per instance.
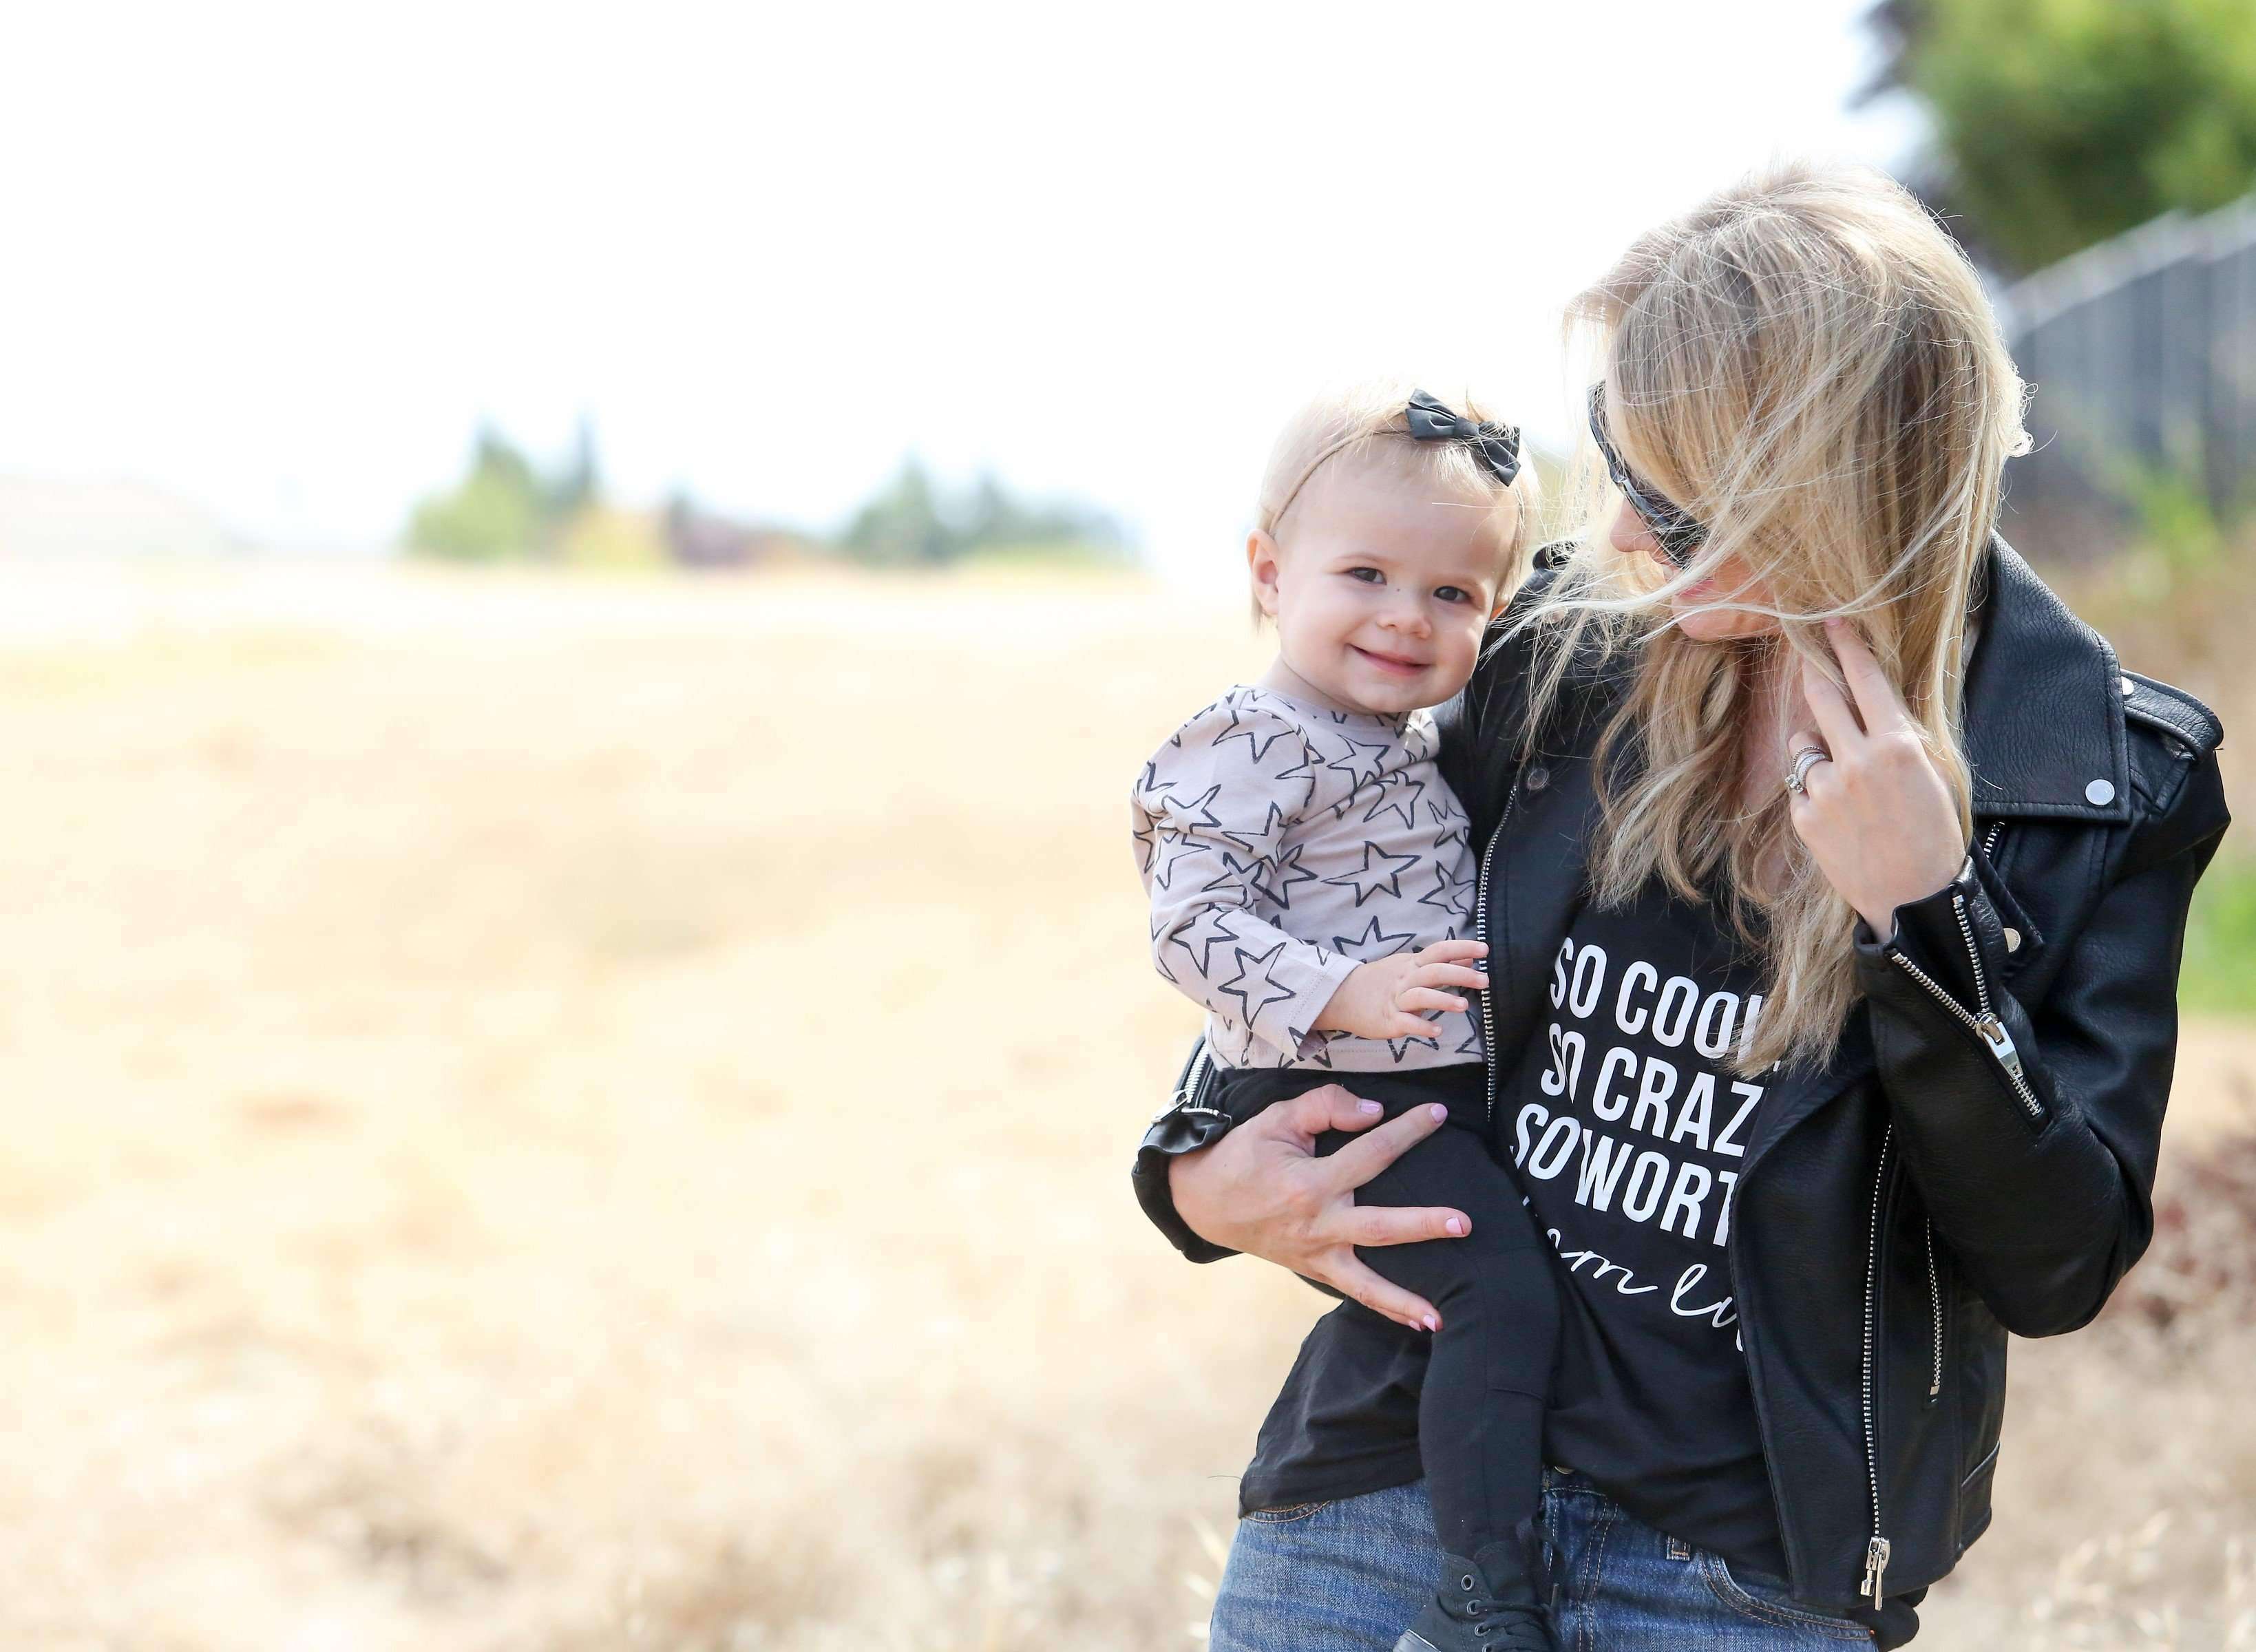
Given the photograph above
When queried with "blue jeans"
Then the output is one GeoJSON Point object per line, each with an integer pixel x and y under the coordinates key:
{"type": "Point", "coordinates": [1349, 1577]}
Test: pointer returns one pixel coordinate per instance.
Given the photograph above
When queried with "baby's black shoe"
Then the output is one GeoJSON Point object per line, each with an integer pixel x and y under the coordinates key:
{"type": "Point", "coordinates": [1499, 1601]}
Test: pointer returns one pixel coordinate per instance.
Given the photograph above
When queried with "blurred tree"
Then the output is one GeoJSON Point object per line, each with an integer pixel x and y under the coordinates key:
{"type": "Point", "coordinates": [903, 525]}
{"type": "Point", "coordinates": [2060, 122]}
{"type": "Point", "coordinates": [506, 508]}
{"type": "Point", "coordinates": [994, 517]}
{"type": "Point", "coordinates": [581, 481]}
{"type": "Point", "coordinates": [497, 511]}
{"type": "Point", "coordinates": [911, 522]}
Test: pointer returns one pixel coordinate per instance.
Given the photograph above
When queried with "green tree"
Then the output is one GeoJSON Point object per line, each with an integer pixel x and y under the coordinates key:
{"type": "Point", "coordinates": [995, 516]}
{"type": "Point", "coordinates": [503, 507]}
{"type": "Point", "coordinates": [497, 511]}
{"type": "Point", "coordinates": [911, 522]}
{"type": "Point", "coordinates": [2060, 122]}
{"type": "Point", "coordinates": [903, 524]}
{"type": "Point", "coordinates": [581, 482]}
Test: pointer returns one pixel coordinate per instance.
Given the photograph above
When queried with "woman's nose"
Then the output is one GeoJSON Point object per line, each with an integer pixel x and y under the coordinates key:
{"type": "Point", "coordinates": [1628, 534]}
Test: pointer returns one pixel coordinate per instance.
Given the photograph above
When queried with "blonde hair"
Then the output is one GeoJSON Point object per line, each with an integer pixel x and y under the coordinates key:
{"type": "Point", "coordinates": [1806, 363]}
{"type": "Point", "coordinates": [1364, 422]}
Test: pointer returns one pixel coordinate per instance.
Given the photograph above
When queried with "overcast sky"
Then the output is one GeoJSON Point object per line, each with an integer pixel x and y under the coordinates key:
{"type": "Point", "coordinates": [284, 258]}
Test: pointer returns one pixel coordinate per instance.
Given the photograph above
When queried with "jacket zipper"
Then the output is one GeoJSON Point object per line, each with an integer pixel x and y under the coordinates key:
{"type": "Point", "coordinates": [1187, 1095]}
{"type": "Point", "coordinates": [1934, 1275]}
{"type": "Point", "coordinates": [1480, 934]}
{"type": "Point", "coordinates": [1985, 1026]}
{"type": "Point", "coordinates": [1934, 1296]}
{"type": "Point", "coordinates": [1876, 1552]}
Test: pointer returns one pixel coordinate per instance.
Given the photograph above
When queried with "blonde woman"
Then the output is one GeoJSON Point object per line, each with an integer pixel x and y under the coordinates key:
{"type": "Point", "coordinates": [1834, 878]}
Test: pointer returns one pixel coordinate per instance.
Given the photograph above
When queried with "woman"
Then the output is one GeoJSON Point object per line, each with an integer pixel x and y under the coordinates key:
{"type": "Point", "coordinates": [1834, 878]}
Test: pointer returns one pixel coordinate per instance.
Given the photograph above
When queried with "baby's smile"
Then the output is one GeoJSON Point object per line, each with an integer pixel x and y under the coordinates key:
{"type": "Point", "coordinates": [1399, 665]}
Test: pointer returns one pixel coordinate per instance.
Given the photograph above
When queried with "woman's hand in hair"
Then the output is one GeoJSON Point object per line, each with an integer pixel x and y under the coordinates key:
{"type": "Point", "coordinates": [1261, 1189]}
{"type": "Point", "coordinates": [1877, 817]}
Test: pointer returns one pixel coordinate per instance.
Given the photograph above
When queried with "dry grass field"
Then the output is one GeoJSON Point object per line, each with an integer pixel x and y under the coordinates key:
{"type": "Point", "coordinates": [580, 1114]}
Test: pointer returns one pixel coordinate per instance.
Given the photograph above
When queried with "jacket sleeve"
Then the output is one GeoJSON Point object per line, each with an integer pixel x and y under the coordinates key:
{"type": "Point", "coordinates": [1210, 816]}
{"type": "Point", "coordinates": [2033, 1138]}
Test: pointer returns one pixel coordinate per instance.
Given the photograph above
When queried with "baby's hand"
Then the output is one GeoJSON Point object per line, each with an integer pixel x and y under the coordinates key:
{"type": "Point", "coordinates": [1380, 999]}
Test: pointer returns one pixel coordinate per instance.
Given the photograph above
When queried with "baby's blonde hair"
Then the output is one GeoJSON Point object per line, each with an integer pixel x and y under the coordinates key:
{"type": "Point", "coordinates": [1365, 421]}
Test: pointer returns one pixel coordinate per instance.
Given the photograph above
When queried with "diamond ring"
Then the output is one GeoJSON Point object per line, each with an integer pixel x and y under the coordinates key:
{"type": "Point", "coordinates": [1806, 759]}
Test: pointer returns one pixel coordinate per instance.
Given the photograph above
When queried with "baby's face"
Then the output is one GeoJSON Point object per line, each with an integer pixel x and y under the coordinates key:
{"type": "Point", "coordinates": [1381, 589]}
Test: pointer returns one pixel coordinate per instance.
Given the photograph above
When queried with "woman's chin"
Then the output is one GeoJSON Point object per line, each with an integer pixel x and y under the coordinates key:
{"type": "Point", "coordinates": [1704, 624]}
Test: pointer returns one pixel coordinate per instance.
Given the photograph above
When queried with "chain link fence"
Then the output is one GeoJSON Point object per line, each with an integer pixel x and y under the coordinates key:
{"type": "Point", "coordinates": [2142, 351]}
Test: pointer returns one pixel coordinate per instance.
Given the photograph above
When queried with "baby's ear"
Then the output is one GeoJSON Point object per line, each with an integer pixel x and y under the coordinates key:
{"type": "Point", "coordinates": [1262, 556]}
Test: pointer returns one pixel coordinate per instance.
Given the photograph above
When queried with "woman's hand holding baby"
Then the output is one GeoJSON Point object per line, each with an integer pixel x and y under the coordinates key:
{"type": "Point", "coordinates": [1381, 998]}
{"type": "Point", "coordinates": [1262, 1190]}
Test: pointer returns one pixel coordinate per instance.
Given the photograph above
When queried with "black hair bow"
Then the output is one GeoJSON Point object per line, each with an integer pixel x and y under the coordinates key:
{"type": "Point", "coordinates": [1431, 420]}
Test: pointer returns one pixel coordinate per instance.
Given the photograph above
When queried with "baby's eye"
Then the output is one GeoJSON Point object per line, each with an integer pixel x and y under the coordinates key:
{"type": "Point", "coordinates": [1377, 578]}
{"type": "Point", "coordinates": [1454, 593]}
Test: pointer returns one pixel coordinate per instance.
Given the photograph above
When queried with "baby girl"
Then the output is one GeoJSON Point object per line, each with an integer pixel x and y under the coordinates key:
{"type": "Point", "coordinates": [1311, 878]}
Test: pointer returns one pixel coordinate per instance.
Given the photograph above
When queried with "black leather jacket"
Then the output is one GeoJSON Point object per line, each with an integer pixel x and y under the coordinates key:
{"type": "Point", "coordinates": [1978, 1157]}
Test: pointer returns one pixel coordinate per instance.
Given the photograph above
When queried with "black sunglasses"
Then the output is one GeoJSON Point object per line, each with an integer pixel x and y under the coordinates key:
{"type": "Point", "coordinates": [1677, 533]}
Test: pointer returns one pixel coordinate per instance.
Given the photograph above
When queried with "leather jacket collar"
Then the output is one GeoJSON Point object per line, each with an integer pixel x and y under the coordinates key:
{"type": "Point", "coordinates": [2043, 703]}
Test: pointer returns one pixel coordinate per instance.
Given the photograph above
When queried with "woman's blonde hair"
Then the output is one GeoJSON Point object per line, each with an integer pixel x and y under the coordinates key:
{"type": "Point", "coordinates": [1807, 364]}
{"type": "Point", "coordinates": [1365, 423]}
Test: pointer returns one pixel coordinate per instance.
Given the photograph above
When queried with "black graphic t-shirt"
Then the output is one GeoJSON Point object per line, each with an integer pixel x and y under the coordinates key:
{"type": "Point", "coordinates": [1630, 1134]}
{"type": "Point", "coordinates": [1629, 1128]}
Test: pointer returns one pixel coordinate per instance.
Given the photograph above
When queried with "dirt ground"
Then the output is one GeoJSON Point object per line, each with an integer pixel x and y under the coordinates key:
{"type": "Point", "coordinates": [573, 1114]}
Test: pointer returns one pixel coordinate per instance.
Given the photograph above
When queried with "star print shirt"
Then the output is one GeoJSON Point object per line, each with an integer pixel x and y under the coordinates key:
{"type": "Point", "coordinates": [1282, 845]}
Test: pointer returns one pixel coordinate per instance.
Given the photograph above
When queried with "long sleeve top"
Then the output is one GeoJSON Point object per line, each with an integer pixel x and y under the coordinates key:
{"type": "Point", "coordinates": [1281, 844]}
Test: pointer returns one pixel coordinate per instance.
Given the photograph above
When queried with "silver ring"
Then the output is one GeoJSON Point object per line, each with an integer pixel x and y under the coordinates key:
{"type": "Point", "coordinates": [1808, 758]}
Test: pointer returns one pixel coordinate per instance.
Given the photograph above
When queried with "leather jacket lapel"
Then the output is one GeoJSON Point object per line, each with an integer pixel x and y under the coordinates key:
{"type": "Point", "coordinates": [1797, 1094]}
{"type": "Point", "coordinates": [1538, 884]}
{"type": "Point", "coordinates": [2043, 704]}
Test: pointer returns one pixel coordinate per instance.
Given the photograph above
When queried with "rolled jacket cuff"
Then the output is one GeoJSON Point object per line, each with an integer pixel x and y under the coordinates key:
{"type": "Point", "coordinates": [1927, 931]}
{"type": "Point", "coordinates": [1176, 1131]}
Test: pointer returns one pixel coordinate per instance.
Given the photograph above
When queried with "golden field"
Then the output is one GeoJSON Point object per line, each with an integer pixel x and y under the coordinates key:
{"type": "Point", "coordinates": [553, 1113]}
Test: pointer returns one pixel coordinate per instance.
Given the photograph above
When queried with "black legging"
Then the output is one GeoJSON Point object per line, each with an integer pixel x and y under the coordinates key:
{"type": "Point", "coordinates": [1480, 1414]}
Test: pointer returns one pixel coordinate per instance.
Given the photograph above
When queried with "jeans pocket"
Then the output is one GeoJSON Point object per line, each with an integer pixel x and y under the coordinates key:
{"type": "Point", "coordinates": [1766, 1603]}
{"type": "Point", "coordinates": [1287, 1515]}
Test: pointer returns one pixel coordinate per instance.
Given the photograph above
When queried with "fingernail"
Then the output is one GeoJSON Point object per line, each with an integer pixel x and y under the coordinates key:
{"type": "Point", "coordinates": [1456, 1226]}
{"type": "Point", "coordinates": [1432, 1324]}
{"type": "Point", "coordinates": [1367, 1107]}
{"type": "Point", "coordinates": [1482, 979]}
{"type": "Point", "coordinates": [1439, 1111]}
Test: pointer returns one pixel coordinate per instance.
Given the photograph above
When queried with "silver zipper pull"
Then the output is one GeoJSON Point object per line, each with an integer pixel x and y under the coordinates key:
{"type": "Point", "coordinates": [2000, 1041]}
{"type": "Point", "coordinates": [1876, 1564]}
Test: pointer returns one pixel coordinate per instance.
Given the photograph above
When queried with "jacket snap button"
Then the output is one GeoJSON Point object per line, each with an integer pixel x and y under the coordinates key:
{"type": "Point", "coordinates": [1538, 777]}
{"type": "Point", "coordinates": [2100, 791]}
{"type": "Point", "coordinates": [2012, 940]}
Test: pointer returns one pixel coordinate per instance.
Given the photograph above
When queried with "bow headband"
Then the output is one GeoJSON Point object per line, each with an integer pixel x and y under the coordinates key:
{"type": "Point", "coordinates": [1496, 446]}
